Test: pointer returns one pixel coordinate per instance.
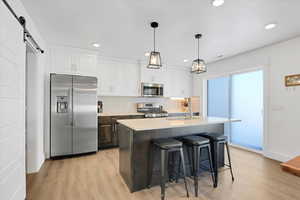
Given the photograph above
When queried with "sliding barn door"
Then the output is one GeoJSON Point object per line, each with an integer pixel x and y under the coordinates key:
{"type": "Point", "coordinates": [12, 107]}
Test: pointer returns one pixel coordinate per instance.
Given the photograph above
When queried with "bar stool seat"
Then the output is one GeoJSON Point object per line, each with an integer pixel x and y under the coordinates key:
{"type": "Point", "coordinates": [195, 140]}
{"type": "Point", "coordinates": [215, 136]}
{"type": "Point", "coordinates": [167, 143]}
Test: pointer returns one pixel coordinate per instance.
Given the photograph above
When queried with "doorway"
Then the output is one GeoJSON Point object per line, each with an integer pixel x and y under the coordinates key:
{"type": "Point", "coordinates": [239, 96]}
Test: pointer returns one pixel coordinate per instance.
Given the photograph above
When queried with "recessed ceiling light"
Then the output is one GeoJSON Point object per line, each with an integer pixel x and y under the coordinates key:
{"type": "Point", "coordinates": [217, 3]}
{"type": "Point", "coordinates": [96, 45]}
{"type": "Point", "coordinates": [147, 54]}
{"type": "Point", "coordinates": [185, 60]}
{"type": "Point", "coordinates": [270, 26]}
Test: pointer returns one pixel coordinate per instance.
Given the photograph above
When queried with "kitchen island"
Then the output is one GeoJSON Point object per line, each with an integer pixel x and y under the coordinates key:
{"type": "Point", "coordinates": [135, 138]}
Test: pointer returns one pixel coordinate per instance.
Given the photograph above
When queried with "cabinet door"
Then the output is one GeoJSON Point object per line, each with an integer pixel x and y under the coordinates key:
{"type": "Point", "coordinates": [153, 75]}
{"type": "Point", "coordinates": [87, 64]}
{"type": "Point", "coordinates": [61, 61]}
{"type": "Point", "coordinates": [117, 79]}
{"type": "Point", "coordinates": [107, 79]}
{"type": "Point", "coordinates": [105, 136]}
{"type": "Point", "coordinates": [186, 78]}
{"type": "Point", "coordinates": [179, 83]}
{"type": "Point", "coordinates": [67, 60]}
{"type": "Point", "coordinates": [129, 79]}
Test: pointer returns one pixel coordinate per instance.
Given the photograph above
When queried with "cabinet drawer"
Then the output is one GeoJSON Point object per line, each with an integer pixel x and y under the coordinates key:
{"type": "Point", "coordinates": [105, 120]}
{"type": "Point", "coordinates": [128, 117]}
{"type": "Point", "coordinates": [137, 116]}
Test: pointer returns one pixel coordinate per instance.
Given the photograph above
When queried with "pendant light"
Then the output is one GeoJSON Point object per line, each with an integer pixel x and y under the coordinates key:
{"type": "Point", "coordinates": [154, 59]}
{"type": "Point", "coordinates": [198, 65]}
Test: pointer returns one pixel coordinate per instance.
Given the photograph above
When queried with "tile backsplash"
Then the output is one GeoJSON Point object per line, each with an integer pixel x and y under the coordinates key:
{"type": "Point", "coordinates": [128, 104]}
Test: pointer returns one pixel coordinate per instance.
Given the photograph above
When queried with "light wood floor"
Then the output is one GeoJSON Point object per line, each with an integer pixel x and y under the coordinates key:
{"type": "Point", "coordinates": [96, 177]}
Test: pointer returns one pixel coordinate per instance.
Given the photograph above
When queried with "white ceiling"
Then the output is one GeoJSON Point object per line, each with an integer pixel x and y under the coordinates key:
{"type": "Point", "coordinates": [122, 26]}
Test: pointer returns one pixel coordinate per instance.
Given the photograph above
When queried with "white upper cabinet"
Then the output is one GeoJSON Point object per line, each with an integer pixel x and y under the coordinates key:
{"type": "Point", "coordinates": [88, 64]}
{"type": "Point", "coordinates": [66, 60]}
{"type": "Point", "coordinates": [60, 61]}
{"type": "Point", "coordinates": [117, 78]}
{"type": "Point", "coordinates": [179, 83]}
{"type": "Point", "coordinates": [153, 75]}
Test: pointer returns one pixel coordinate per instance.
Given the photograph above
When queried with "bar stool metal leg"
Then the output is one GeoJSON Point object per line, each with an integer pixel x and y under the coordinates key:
{"type": "Point", "coordinates": [216, 162]}
{"type": "Point", "coordinates": [191, 162]}
{"type": "Point", "coordinates": [229, 160]}
{"type": "Point", "coordinates": [210, 163]}
{"type": "Point", "coordinates": [184, 171]}
{"type": "Point", "coordinates": [179, 169]}
{"type": "Point", "coordinates": [196, 151]}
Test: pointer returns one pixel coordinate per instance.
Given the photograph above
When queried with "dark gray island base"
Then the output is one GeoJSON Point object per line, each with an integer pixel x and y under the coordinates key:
{"type": "Point", "coordinates": [134, 147]}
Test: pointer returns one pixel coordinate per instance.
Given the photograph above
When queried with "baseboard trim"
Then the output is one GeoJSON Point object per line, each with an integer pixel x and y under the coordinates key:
{"type": "Point", "coordinates": [272, 155]}
{"type": "Point", "coordinates": [276, 156]}
{"type": "Point", "coordinates": [37, 168]}
{"type": "Point", "coordinates": [245, 148]}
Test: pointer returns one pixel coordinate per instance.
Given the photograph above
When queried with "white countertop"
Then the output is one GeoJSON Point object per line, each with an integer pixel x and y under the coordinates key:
{"type": "Point", "coordinates": [118, 114]}
{"type": "Point", "coordinates": [131, 113]}
{"type": "Point", "coordinates": [173, 122]}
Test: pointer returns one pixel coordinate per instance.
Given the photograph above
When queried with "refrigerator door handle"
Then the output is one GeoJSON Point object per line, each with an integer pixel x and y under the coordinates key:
{"type": "Point", "coordinates": [70, 106]}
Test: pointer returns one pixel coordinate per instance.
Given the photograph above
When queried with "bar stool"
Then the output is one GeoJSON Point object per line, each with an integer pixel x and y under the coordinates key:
{"type": "Point", "coordinates": [216, 139]}
{"type": "Point", "coordinates": [196, 144]}
{"type": "Point", "coordinates": [166, 146]}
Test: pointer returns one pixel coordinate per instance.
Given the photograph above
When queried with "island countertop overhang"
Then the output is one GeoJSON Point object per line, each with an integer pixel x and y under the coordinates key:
{"type": "Point", "coordinates": [164, 123]}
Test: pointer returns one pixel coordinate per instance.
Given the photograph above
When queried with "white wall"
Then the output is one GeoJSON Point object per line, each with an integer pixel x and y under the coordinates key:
{"type": "Point", "coordinates": [12, 106]}
{"type": "Point", "coordinates": [12, 101]}
{"type": "Point", "coordinates": [283, 110]}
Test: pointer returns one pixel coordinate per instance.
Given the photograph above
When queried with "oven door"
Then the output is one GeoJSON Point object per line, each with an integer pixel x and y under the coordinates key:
{"type": "Point", "coordinates": [152, 90]}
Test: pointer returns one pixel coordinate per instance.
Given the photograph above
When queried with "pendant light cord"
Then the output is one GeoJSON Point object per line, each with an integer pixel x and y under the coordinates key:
{"type": "Point", "coordinates": [198, 49]}
{"type": "Point", "coordinates": [154, 38]}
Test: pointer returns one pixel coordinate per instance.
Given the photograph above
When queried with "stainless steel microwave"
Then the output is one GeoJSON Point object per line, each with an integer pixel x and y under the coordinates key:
{"type": "Point", "coordinates": [152, 90]}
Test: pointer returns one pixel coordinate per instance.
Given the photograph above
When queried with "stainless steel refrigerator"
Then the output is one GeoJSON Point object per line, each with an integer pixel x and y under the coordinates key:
{"type": "Point", "coordinates": [73, 120]}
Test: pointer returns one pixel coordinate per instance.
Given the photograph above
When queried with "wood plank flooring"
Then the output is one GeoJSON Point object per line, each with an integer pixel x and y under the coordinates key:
{"type": "Point", "coordinates": [96, 177]}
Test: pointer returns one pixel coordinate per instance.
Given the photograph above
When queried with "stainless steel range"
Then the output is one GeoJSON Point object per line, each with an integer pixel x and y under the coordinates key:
{"type": "Point", "coordinates": [152, 110]}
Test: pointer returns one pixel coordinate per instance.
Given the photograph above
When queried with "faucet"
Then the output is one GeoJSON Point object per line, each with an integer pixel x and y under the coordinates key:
{"type": "Point", "coordinates": [190, 114]}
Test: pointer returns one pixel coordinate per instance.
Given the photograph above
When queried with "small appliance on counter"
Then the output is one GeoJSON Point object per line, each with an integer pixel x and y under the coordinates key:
{"type": "Point", "coordinates": [151, 110]}
{"type": "Point", "coordinates": [100, 107]}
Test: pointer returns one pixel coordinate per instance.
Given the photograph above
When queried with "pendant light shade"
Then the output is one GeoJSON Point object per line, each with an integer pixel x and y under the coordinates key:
{"type": "Point", "coordinates": [154, 61]}
{"type": "Point", "coordinates": [154, 58]}
{"type": "Point", "coordinates": [198, 65]}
